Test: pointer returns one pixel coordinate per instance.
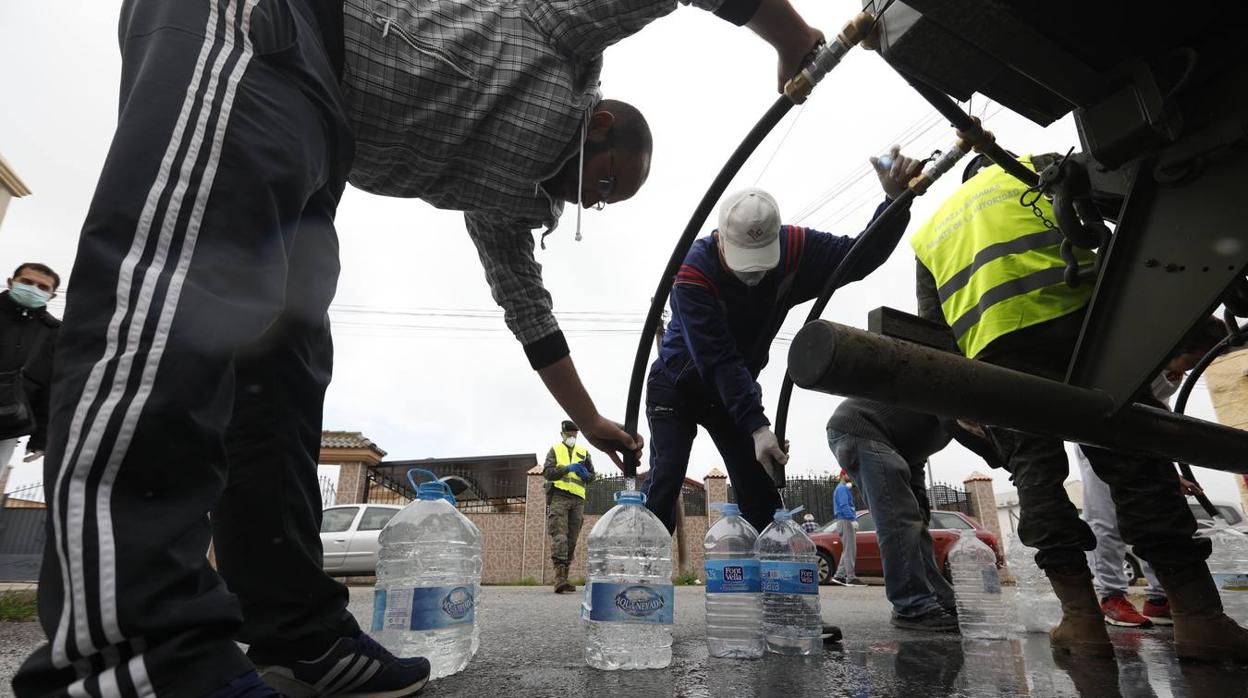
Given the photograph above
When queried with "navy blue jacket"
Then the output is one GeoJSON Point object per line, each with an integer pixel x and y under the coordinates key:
{"type": "Point", "coordinates": [724, 329]}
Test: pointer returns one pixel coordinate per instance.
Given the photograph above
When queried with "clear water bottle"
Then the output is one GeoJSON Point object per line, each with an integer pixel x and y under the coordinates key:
{"type": "Point", "coordinates": [429, 581]}
{"type": "Point", "coordinates": [789, 567]}
{"type": "Point", "coordinates": [1229, 565]}
{"type": "Point", "coordinates": [734, 611]}
{"type": "Point", "coordinates": [977, 589]}
{"type": "Point", "coordinates": [1036, 607]}
{"type": "Point", "coordinates": [628, 602]}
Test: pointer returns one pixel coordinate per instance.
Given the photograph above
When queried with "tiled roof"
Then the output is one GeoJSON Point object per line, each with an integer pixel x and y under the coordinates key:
{"type": "Point", "coordinates": [348, 439]}
{"type": "Point", "coordinates": [9, 180]}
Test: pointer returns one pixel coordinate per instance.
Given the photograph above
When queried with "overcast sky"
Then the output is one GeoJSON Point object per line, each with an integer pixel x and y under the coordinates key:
{"type": "Point", "coordinates": [425, 366]}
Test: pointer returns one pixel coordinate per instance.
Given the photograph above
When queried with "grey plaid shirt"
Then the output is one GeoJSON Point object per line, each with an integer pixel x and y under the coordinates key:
{"type": "Point", "coordinates": [471, 104]}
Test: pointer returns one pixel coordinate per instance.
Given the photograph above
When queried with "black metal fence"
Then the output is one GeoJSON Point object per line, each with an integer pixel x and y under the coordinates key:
{"type": "Point", "coordinates": [949, 498]}
{"type": "Point", "coordinates": [474, 493]}
{"type": "Point", "coordinates": [815, 494]}
{"type": "Point", "coordinates": [694, 499]}
{"type": "Point", "coordinates": [600, 496]}
{"type": "Point", "coordinates": [22, 534]}
{"type": "Point", "coordinates": [329, 491]}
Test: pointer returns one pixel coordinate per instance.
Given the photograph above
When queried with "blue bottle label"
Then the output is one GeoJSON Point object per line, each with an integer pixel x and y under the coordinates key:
{"type": "Point", "coordinates": [789, 577]}
{"type": "Point", "coordinates": [425, 608]}
{"type": "Point", "coordinates": [1231, 581]}
{"type": "Point", "coordinates": [733, 576]}
{"type": "Point", "coordinates": [631, 603]}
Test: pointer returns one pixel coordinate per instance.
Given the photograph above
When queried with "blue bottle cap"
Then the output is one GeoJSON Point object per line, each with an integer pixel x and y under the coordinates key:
{"type": "Point", "coordinates": [727, 508]}
{"type": "Point", "coordinates": [630, 497]}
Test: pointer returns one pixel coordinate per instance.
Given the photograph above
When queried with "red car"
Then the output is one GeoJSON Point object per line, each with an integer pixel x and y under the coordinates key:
{"type": "Point", "coordinates": [945, 527]}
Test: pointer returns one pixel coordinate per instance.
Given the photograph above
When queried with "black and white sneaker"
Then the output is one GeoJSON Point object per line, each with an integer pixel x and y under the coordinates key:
{"type": "Point", "coordinates": [353, 668]}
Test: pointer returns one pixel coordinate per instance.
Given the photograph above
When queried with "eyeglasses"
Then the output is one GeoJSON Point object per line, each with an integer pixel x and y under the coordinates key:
{"type": "Point", "coordinates": [606, 185]}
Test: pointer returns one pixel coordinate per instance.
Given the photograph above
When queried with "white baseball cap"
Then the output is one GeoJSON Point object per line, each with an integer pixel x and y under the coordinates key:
{"type": "Point", "coordinates": [749, 226]}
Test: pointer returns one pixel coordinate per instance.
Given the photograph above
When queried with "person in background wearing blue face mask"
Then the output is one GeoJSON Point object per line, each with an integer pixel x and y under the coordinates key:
{"type": "Point", "coordinates": [728, 301]}
{"type": "Point", "coordinates": [27, 335]}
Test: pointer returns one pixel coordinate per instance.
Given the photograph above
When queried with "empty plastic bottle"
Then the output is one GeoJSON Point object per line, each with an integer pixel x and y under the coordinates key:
{"type": "Point", "coordinates": [628, 602]}
{"type": "Point", "coordinates": [734, 612]}
{"type": "Point", "coordinates": [977, 589]}
{"type": "Point", "coordinates": [789, 567]}
{"type": "Point", "coordinates": [1036, 607]}
{"type": "Point", "coordinates": [429, 580]}
{"type": "Point", "coordinates": [1229, 565]}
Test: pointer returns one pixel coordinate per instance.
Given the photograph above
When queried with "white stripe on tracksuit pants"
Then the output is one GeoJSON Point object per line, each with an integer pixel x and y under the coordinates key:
{"type": "Point", "coordinates": [193, 362]}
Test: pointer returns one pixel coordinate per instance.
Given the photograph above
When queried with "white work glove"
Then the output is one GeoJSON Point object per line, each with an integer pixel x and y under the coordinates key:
{"type": "Point", "coordinates": [855, 524]}
{"type": "Point", "coordinates": [897, 175]}
{"type": "Point", "coordinates": [767, 449]}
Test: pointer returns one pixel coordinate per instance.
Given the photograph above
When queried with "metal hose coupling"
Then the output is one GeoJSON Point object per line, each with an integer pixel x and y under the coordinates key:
{"type": "Point", "coordinates": [976, 136]}
{"type": "Point", "coordinates": [825, 57]}
{"type": "Point", "coordinates": [920, 183]}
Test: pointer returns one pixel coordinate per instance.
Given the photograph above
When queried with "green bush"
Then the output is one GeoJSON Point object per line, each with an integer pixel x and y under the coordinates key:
{"type": "Point", "coordinates": [686, 578]}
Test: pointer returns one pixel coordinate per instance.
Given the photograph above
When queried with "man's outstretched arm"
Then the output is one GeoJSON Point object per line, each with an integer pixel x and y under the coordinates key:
{"type": "Point", "coordinates": [505, 247]}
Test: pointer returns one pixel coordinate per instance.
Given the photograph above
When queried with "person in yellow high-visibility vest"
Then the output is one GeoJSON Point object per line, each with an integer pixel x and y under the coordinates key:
{"type": "Point", "coordinates": [568, 469]}
{"type": "Point", "coordinates": [990, 268]}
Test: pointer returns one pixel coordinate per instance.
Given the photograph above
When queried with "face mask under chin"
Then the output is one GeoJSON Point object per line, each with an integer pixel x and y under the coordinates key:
{"type": "Point", "coordinates": [750, 278]}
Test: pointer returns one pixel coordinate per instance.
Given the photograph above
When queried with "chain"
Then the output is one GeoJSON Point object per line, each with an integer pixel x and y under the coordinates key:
{"type": "Point", "coordinates": [1034, 204]}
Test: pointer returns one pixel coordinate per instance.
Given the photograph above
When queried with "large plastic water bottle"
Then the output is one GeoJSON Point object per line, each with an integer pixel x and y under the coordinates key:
{"type": "Point", "coordinates": [789, 567]}
{"type": "Point", "coordinates": [734, 611]}
{"type": "Point", "coordinates": [428, 581]}
{"type": "Point", "coordinates": [1036, 607]}
{"type": "Point", "coordinates": [628, 602]}
{"type": "Point", "coordinates": [977, 589]}
{"type": "Point", "coordinates": [1229, 565]}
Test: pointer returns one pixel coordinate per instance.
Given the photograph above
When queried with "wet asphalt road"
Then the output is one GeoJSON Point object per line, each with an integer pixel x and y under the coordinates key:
{"type": "Point", "coordinates": [531, 647]}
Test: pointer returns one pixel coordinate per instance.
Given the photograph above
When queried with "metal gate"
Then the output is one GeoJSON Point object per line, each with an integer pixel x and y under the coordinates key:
{"type": "Point", "coordinates": [22, 534]}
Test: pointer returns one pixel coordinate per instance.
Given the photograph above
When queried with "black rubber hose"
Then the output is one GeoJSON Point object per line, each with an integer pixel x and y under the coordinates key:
{"type": "Point", "coordinates": [835, 280]}
{"type": "Point", "coordinates": [1180, 404]}
{"type": "Point", "coordinates": [962, 121]}
{"type": "Point", "coordinates": [756, 135]}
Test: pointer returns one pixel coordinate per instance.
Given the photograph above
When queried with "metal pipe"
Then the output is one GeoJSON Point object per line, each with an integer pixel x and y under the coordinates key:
{"type": "Point", "coordinates": [842, 360]}
{"type": "Point", "coordinates": [970, 129]}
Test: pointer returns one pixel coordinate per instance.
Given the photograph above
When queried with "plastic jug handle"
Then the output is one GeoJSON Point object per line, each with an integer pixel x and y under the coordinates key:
{"type": "Point", "coordinates": [435, 481]}
{"type": "Point", "coordinates": [800, 508]}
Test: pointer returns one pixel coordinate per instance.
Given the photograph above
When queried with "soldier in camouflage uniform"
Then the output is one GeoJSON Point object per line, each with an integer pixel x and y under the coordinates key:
{"type": "Point", "coordinates": [567, 470]}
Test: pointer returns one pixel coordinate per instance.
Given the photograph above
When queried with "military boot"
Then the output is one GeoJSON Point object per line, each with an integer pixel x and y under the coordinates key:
{"type": "Point", "coordinates": [1202, 632]}
{"type": "Point", "coordinates": [1082, 630]}
{"type": "Point", "coordinates": [561, 579]}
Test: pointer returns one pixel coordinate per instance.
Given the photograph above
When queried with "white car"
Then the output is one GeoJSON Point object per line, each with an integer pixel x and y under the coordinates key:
{"type": "Point", "coordinates": [1203, 521]}
{"type": "Point", "coordinates": [349, 537]}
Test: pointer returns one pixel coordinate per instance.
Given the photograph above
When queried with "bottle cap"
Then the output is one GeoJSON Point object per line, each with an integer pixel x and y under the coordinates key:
{"type": "Point", "coordinates": [727, 508]}
{"type": "Point", "coordinates": [630, 497]}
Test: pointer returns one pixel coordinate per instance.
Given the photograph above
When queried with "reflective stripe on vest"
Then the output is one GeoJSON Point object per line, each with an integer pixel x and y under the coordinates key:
{"type": "Point", "coordinates": [997, 268]}
{"type": "Point", "coordinates": [571, 482]}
